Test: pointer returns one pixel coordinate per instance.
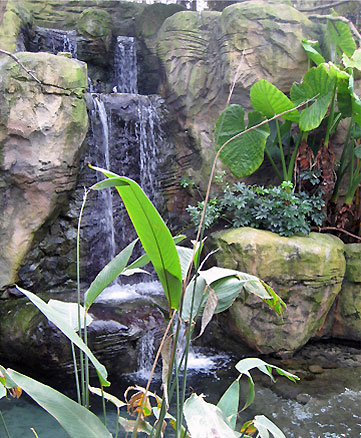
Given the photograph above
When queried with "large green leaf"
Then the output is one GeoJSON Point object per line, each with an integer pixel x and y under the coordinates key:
{"type": "Point", "coordinates": [77, 421]}
{"type": "Point", "coordinates": [341, 37]}
{"type": "Point", "coordinates": [227, 284]}
{"type": "Point", "coordinates": [245, 365]}
{"type": "Point", "coordinates": [244, 154]}
{"type": "Point", "coordinates": [312, 116]}
{"type": "Point", "coordinates": [153, 233]}
{"type": "Point", "coordinates": [2, 390]}
{"type": "Point", "coordinates": [354, 61]}
{"type": "Point", "coordinates": [108, 274]}
{"type": "Point", "coordinates": [204, 419]}
{"type": "Point", "coordinates": [264, 425]}
{"type": "Point", "coordinates": [229, 403]}
{"type": "Point", "coordinates": [356, 102]}
{"type": "Point", "coordinates": [269, 100]}
{"type": "Point", "coordinates": [69, 312]}
{"type": "Point", "coordinates": [318, 83]}
{"type": "Point", "coordinates": [313, 51]}
{"type": "Point", "coordinates": [58, 320]}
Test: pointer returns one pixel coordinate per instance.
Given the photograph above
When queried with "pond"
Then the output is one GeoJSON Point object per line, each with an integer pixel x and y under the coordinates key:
{"type": "Point", "coordinates": [324, 404]}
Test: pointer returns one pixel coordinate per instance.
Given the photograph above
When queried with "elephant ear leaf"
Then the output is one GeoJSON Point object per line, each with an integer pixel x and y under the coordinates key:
{"type": "Point", "coordinates": [269, 100]}
{"type": "Point", "coordinates": [313, 50]}
{"type": "Point", "coordinates": [245, 153]}
{"type": "Point", "coordinates": [341, 37]}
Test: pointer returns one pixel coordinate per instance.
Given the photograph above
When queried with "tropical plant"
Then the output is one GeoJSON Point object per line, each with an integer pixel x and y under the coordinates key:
{"type": "Point", "coordinates": [275, 208]}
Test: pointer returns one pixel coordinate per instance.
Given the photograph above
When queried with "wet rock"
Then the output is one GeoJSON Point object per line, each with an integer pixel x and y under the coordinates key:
{"type": "Point", "coordinates": [316, 369]}
{"type": "Point", "coordinates": [306, 272]}
{"type": "Point", "coordinates": [41, 131]}
{"type": "Point", "coordinates": [29, 342]}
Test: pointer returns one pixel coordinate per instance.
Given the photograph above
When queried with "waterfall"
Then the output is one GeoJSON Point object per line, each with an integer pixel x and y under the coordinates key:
{"type": "Point", "coordinates": [105, 225]}
{"type": "Point", "coordinates": [125, 65]}
{"type": "Point", "coordinates": [146, 355]}
{"type": "Point", "coordinates": [55, 40]}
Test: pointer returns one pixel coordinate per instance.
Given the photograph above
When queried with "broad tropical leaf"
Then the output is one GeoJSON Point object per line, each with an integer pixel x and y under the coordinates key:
{"type": "Point", "coordinates": [152, 232]}
{"type": "Point", "coordinates": [264, 425]}
{"type": "Point", "coordinates": [269, 100]}
{"type": "Point", "coordinates": [356, 102]}
{"type": "Point", "coordinates": [76, 420]}
{"type": "Point", "coordinates": [229, 403]}
{"type": "Point", "coordinates": [354, 61]}
{"type": "Point", "coordinates": [58, 320]}
{"type": "Point", "coordinates": [341, 37]}
{"type": "Point", "coordinates": [115, 400]}
{"type": "Point", "coordinates": [313, 51]}
{"type": "Point", "coordinates": [108, 274]}
{"type": "Point", "coordinates": [244, 154]}
{"type": "Point", "coordinates": [69, 312]}
{"type": "Point", "coordinates": [2, 390]}
{"type": "Point", "coordinates": [204, 419]}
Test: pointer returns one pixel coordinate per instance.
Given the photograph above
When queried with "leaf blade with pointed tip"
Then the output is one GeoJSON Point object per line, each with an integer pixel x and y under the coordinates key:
{"type": "Point", "coordinates": [153, 233]}
{"type": "Point", "coordinates": [76, 420]}
{"type": "Point", "coordinates": [57, 319]}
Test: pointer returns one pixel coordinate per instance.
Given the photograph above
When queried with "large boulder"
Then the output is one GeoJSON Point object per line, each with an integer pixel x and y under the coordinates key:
{"type": "Point", "coordinates": [306, 272]}
{"type": "Point", "coordinates": [203, 53]}
{"type": "Point", "coordinates": [30, 343]}
{"type": "Point", "coordinates": [344, 320]}
{"type": "Point", "coordinates": [42, 128]}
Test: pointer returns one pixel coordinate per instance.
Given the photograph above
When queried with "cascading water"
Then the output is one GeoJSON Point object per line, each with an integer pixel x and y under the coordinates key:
{"type": "Point", "coordinates": [125, 65]}
{"type": "Point", "coordinates": [55, 41]}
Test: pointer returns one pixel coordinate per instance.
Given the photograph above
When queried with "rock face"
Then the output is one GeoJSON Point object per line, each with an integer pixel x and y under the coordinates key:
{"type": "Point", "coordinates": [306, 272]}
{"type": "Point", "coordinates": [344, 320]}
{"type": "Point", "coordinates": [41, 132]}
{"type": "Point", "coordinates": [204, 53]}
{"type": "Point", "coordinates": [29, 342]}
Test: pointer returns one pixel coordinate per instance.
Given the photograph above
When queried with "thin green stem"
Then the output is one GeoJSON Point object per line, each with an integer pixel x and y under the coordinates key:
{"type": "Point", "coordinates": [104, 407]}
{"type": "Point", "coordinates": [330, 117]}
{"type": "Point", "coordinates": [278, 173]}
{"type": "Point", "coordinates": [283, 161]}
{"type": "Point", "coordinates": [78, 294]}
{"type": "Point", "coordinates": [293, 158]}
{"type": "Point", "coordinates": [117, 424]}
{"type": "Point", "coordinates": [86, 363]}
{"type": "Point", "coordinates": [76, 373]}
{"type": "Point", "coordinates": [4, 425]}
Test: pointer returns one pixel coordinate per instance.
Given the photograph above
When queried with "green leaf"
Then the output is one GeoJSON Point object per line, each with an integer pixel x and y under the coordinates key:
{"type": "Point", "coordinates": [313, 51]}
{"type": "Point", "coordinates": [76, 420]}
{"type": "Point", "coordinates": [57, 319]}
{"type": "Point", "coordinates": [356, 102]}
{"type": "Point", "coordinates": [128, 426]}
{"type": "Point", "coordinates": [196, 287]}
{"type": "Point", "coordinates": [2, 391]}
{"type": "Point", "coordinates": [269, 100]}
{"type": "Point", "coordinates": [263, 425]}
{"type": "Point", "coordinates": [69, 312]}
{"type": "Point", "coordinates": [108, 274]}
{"type": "Point", "coordinates": [341, 37]}
{"type": "Point", "coordinates": [185, 258]}
{"type": "Point", "coordinates": [244, 154]}
{"type": "Point", "coordinates": [245, 365]}
{"type": "Point", "coordinates": [229, 403]}
{"type": "Point", "coordinates": [144, 259]}
{"type": "Point", "coordinates": [354, 61]}
{"type": "Point", "coordinates": [312, 116]}
{"type": "Point", "coordinates": [152, 232]}
{"type": "Point", "coordinates": [204, 419]}
{"type": "Point", "coordinates": [115, 400]}
{"type": "Point", "coordinates": [357, 151]}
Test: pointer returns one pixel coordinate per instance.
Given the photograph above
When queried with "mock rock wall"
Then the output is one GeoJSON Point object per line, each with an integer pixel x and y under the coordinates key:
{"type": "Point", "coordinates": [306, 272]}
{"type": "Point", "coordinates": [42, 129]}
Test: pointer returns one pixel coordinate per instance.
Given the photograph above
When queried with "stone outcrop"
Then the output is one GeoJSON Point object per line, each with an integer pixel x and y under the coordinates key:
{"type": "Point", "coordinates": [14, 20]}
{"type": "Point", "coordinates": [204, 53]}
{"type": "Point", "coordinates": [306, 272]}
{"type": "Point", "coordinates": [42, 128]}
{"type": "Point", "coordinates": [29, 342]}
{"type": "Point", "coordinates": [344, 319]}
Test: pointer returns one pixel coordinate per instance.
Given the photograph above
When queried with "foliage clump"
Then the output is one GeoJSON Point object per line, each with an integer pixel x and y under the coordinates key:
{"type": "Point", "coordinates": [275, 208]}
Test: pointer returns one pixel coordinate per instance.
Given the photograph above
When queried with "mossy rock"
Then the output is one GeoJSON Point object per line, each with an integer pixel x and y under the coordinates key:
{"type": "Point", "coordinates": [306, 272]}
{"type": "Point", "coordinates": [150, 20]}
{"type": "Point", "coordinates": [353, 262]}
{"type": "Point", "coordinates": [16, 16]}
{"type": "Point", "coordinates": [95, 23]}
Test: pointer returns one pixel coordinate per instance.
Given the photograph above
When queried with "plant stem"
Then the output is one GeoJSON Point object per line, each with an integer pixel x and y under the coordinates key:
{"type": "Point", "coordinates": [76, 373]}
{"type": "Point", "coordinates": [86, 364]}
{"type": "Point", "coordinates": [293, 158]}
{"type": "Point", "coordinates": [4, 425]}
{"type": "Point", "coordinates": [283, 161]}
{"type": "Point", "coordinates": [117, 424]}
{"type": "Point", "coordinates": [330, 117]}
{"type": "Point", "coordinates": [104, 408]}
{"type": "Point", "coordinates": [78, 294]}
